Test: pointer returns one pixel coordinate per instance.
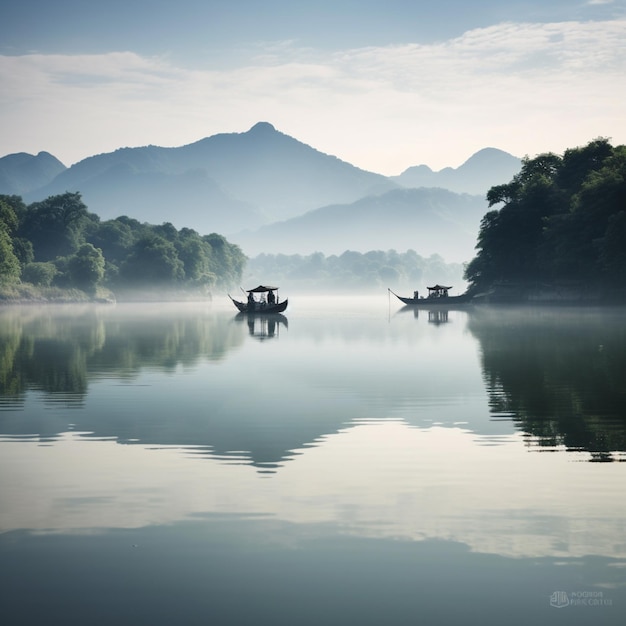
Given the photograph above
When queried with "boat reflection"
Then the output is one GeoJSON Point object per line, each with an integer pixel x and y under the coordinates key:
{"type": "Point", "coordinates": [263, 327]}
{"type": "Point", "coordinates": [435, 316]}
{"type": "Point", "coordinates": [438, 316]}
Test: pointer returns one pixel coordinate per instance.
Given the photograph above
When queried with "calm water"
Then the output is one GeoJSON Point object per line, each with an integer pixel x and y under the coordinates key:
{"type": "Point", "coordinates": [351, 463]}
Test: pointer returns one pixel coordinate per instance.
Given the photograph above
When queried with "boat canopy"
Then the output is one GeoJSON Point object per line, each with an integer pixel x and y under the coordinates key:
{"type": "Point", "coordinates": [438, 288]}
{"type": "Point", "coordinates": [262, 289]}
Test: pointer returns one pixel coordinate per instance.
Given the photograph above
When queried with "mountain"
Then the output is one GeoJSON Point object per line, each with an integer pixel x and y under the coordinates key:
{"type": "Point", "coordinates": [269, 192]}
{"type": "Point", "coordinates": [227, 181]}
{"type": "Point", "coordinates": [429, 221]}
{"type": "Point", "coordinates": [22, 172]}
{"type": "Point", "coordinates": [483, 170]}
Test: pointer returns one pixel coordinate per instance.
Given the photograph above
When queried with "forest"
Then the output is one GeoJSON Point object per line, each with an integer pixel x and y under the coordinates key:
{"type": "Point", "coordinates": [56, 249]}
{"type": "Point", "coordinates": [560, 223]}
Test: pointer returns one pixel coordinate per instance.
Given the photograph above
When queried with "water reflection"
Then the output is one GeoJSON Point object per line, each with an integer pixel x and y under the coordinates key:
{"type": "Point", "coordinates": [262, 326]}
{"type": "Point", "coordinates": [438, 316]}
{"type": "Point", "coordinates": [56, 350]}
{"type": "Point", "coordinates": [377, 466]}
{"type": "Point", "coordinates": [555, 375]}
{"type": "Point", "coordinates": [558, 374]}
{"type": "Point", "coordinates": [371, 479]}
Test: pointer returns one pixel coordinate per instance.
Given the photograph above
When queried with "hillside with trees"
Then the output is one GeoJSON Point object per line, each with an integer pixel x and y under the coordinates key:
{"type": "Point", "coordinates": [57, 250]}
{"type": "Point", "coordinates": [559, 231]}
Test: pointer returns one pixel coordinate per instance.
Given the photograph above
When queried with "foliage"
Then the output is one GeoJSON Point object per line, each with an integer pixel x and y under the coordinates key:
{"type": "Point", "coordinates": [152, 260]}
{"type": "Point", "coordinates": [9, 264]}
{"type": "Point", "coordinates": [558, 222]}
{"type": "Point", "coordinates": [55, 226]}
{"type": "Point", "coordinates": [86, 268]}
{"type": "Point", "coordinates": [58, 243]}
{"type": "Point", "coordinates": [39, 274]}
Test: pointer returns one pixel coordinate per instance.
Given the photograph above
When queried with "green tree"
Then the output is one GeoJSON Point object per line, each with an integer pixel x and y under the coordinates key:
{"type": "Point", "coordinates": [227, 261]}
{"type": "Point", "coordinates": [55, 226]}
{"type": "Point", "coordinates": [153, 260]}
{"type": "Point", "coordinates": [196, 255]}
{"type": "Point", "coordinates": [39, 274]}
{"type": "Point", "coordinates": [115, 238]}
{"type": "Point", "coordinates": [10, 267]}
{"type": "Point", "coordinates": [554, 220]}
{"type": "Point", "coordinates": [86, 268]}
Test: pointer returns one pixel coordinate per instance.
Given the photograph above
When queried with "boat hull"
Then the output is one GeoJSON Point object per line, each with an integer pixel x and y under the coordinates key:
{"type": "Point", "coordinates": [430, 303]}
{"type": "Point", "coordinates": [260, 308]}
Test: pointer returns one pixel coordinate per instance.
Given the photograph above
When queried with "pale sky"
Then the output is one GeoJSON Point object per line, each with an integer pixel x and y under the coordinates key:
{"type": "Point", "coordinates": [383, 85]}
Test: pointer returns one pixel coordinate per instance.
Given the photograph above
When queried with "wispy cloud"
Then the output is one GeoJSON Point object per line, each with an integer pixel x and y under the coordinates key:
{"type": "Point", "coordinates": [525, 88]}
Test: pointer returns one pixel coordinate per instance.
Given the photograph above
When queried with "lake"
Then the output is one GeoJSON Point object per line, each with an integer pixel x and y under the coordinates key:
{"type": "Point", "coordinates": [351, 462]}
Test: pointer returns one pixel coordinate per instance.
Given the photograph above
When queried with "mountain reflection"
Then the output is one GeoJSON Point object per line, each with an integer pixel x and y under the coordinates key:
{"type": "Point", "coordinates": [158, 376]}
{"type": "Point", "coordinates": [558, 374]}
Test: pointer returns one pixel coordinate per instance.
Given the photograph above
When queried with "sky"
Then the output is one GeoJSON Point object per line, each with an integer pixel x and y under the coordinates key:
{"type": "Point", "coordinates": [384, 85]}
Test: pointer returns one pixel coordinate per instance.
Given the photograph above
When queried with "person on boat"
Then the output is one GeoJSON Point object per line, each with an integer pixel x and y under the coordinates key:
{"type": "Point", "coordinates": [271, 298]}
{"type": "Point", "coordinates": [250, 300]}
{"type": "Point", "coordinates": [416, 295]}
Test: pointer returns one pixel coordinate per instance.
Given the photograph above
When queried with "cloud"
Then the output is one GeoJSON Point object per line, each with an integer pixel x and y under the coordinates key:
{"type": "Point", "coordinates": [525, 88]}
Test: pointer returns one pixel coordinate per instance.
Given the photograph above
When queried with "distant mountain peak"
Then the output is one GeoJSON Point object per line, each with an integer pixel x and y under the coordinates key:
{"type": "Point", "coordinates": [262, 127]}
{"type": "Point", "coordinates": [491, 155]}
{"type": "Point", "coordinates": [485, 168]}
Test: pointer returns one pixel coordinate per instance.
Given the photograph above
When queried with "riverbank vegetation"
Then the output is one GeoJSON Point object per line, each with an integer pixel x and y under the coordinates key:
{"type": "Point", "coordinates": [57, 251]}
{"type": "Point", "coordinates": [560, 227]}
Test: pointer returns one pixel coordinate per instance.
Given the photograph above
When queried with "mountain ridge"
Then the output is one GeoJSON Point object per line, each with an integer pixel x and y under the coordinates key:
{"type": "Point", "coordinates": [259, 186]}
{"type": "Point", "coordinates": [481, 171]}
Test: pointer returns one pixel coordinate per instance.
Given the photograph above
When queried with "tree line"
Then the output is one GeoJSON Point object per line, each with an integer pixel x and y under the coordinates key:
{"type": "Point", "coordinates": [561, 221]}
{"type": "Point", "coordinates": [354, 271]}
{"type": "Point", "coordinates": [58, 243]}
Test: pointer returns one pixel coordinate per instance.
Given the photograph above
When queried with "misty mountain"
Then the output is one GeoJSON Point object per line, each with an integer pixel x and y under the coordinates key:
{"type": "Point", "coordinates": [429, 221]}
{"type": "Point", "coordinates": [483, 170]}
{"type": "Point", "coordinates": [268, 192]}
{"type": "Point", "coordinates": [240, 179]}
{"type": "Point", "coordinates": [21, 173]}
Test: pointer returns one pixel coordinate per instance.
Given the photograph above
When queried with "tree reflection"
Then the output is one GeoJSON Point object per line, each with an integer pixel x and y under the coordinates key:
{"type": "Point", "coordinates": [53, 349]}
{"type": "Point", "coordinates": [558, 373]}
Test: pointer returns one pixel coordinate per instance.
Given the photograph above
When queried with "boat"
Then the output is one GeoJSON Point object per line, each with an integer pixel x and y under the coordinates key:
{"type": "Point", "coordinates": [438, 296]}
{"type": "Point", "coordinates": [266, 304]}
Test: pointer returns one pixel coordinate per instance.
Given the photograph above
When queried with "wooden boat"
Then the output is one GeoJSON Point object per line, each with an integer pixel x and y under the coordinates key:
{"type": "Point", "coordinates": [437, 297]}
{"type": "Point", "coordinates": [267, 304]}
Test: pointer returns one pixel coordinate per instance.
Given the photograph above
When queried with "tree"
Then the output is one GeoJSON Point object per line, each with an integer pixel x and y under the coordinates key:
{"type": "Point", "coordinates": [153, 260]}
{"type": "Point", "coordinates": [9, 264]}
{"type": "Point", "coordinates": [227, 261]}
{"type": "Point", "coordinates": [39, 274]}
{"type": "Point", "coordinates": [86, 268]}
{"type": "Point", "coordinates": [115, 238]}
{"type": "Point", "coordinates": [555, 217]}
{"type": "Point", "coordinates": [10, 267]}
{"type": "Point", "coordinates": [55, 226]}
{"type": "Point", "coordinates": [196, 257]}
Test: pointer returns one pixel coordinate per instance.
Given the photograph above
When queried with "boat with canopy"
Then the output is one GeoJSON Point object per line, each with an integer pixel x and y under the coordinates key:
{"type": "Point", "coordinates": [438, 296]}
{"type": "Point", "coordinates": [261, 300]}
